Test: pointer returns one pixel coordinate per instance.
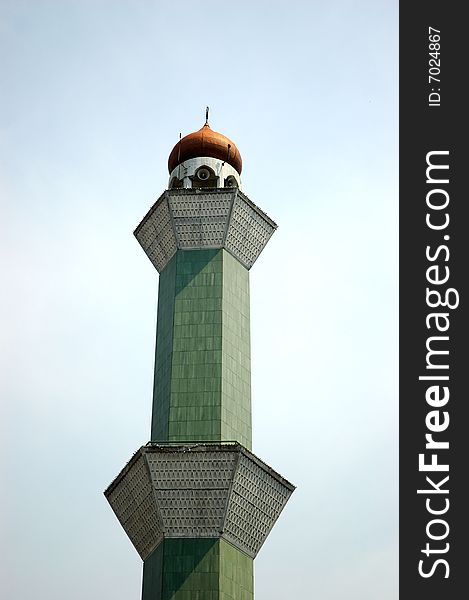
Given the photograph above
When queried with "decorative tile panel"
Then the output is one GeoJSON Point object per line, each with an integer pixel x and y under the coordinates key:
{"type": "Point", "coordinates": [256, 501]}
{"type": "Point", "coordinates": [133, 501]}
{"type": "Point", "coordinates": [249, 231]}
{"type": "Point", "coordinates": [191, 490]}
{"type": "Point", "coordinates": [200, 220]}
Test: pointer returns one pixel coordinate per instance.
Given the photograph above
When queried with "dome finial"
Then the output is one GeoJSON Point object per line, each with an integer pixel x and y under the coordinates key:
{"type": "Point", "coordinates": [208, 143]}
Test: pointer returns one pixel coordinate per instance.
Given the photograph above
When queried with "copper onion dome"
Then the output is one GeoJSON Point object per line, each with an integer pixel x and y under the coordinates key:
{"type": "Point", "coordinates": [205, 142]}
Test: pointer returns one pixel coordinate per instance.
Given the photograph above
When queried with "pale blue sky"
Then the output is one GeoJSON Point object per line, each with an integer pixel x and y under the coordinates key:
{"type": "Point", "coordinates": [94, 95]}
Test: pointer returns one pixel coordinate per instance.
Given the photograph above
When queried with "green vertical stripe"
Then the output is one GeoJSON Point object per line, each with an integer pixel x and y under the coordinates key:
{"type": "Point", "coordinates": [164, 348]}
{"type": "Point", "coordinates": [236, 353]}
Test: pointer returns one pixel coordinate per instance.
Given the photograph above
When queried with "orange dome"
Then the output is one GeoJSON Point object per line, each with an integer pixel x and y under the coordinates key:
{"type": "Point", "coordinates": [205, 142]}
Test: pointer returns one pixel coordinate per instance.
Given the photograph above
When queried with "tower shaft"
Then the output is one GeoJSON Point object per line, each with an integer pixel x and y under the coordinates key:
{"type": "Point", "coordinates": [202, 384]}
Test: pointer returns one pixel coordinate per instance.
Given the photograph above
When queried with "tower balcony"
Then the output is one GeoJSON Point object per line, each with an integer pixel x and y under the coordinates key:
{"type": "Point", "coordinates": [208, 490]}
{"type": "Point", "coordinates": [192, 219]}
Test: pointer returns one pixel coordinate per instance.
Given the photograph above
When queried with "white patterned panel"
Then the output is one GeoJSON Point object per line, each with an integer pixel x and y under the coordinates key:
{"type": "Point", "coordinates": [200, 219]}
{"type": "Point", "coordinates": [249, 231]}
{"type": "Point", "coordinates": [132, 499]}
{"type": "Point", "coordinates": [156, 236]}
{"type": "Point", "coordinates": [191, 489]}
{"type": "Point", "coordinates": [256, 501]}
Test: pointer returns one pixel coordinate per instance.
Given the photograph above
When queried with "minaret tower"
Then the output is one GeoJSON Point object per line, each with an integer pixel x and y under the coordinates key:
{"type": "Point", "coordinates": [196, 503]}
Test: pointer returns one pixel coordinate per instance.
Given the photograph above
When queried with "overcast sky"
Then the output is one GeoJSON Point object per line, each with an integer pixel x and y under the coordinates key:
{"type": "Point", "coordinates": [94, 95]}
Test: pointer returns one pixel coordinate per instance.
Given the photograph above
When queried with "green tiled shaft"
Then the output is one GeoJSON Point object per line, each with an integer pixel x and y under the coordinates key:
{"type": "Point", "coordinates": [197, 569]}
{"type": "Point", "coordinates": [202, 387]}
